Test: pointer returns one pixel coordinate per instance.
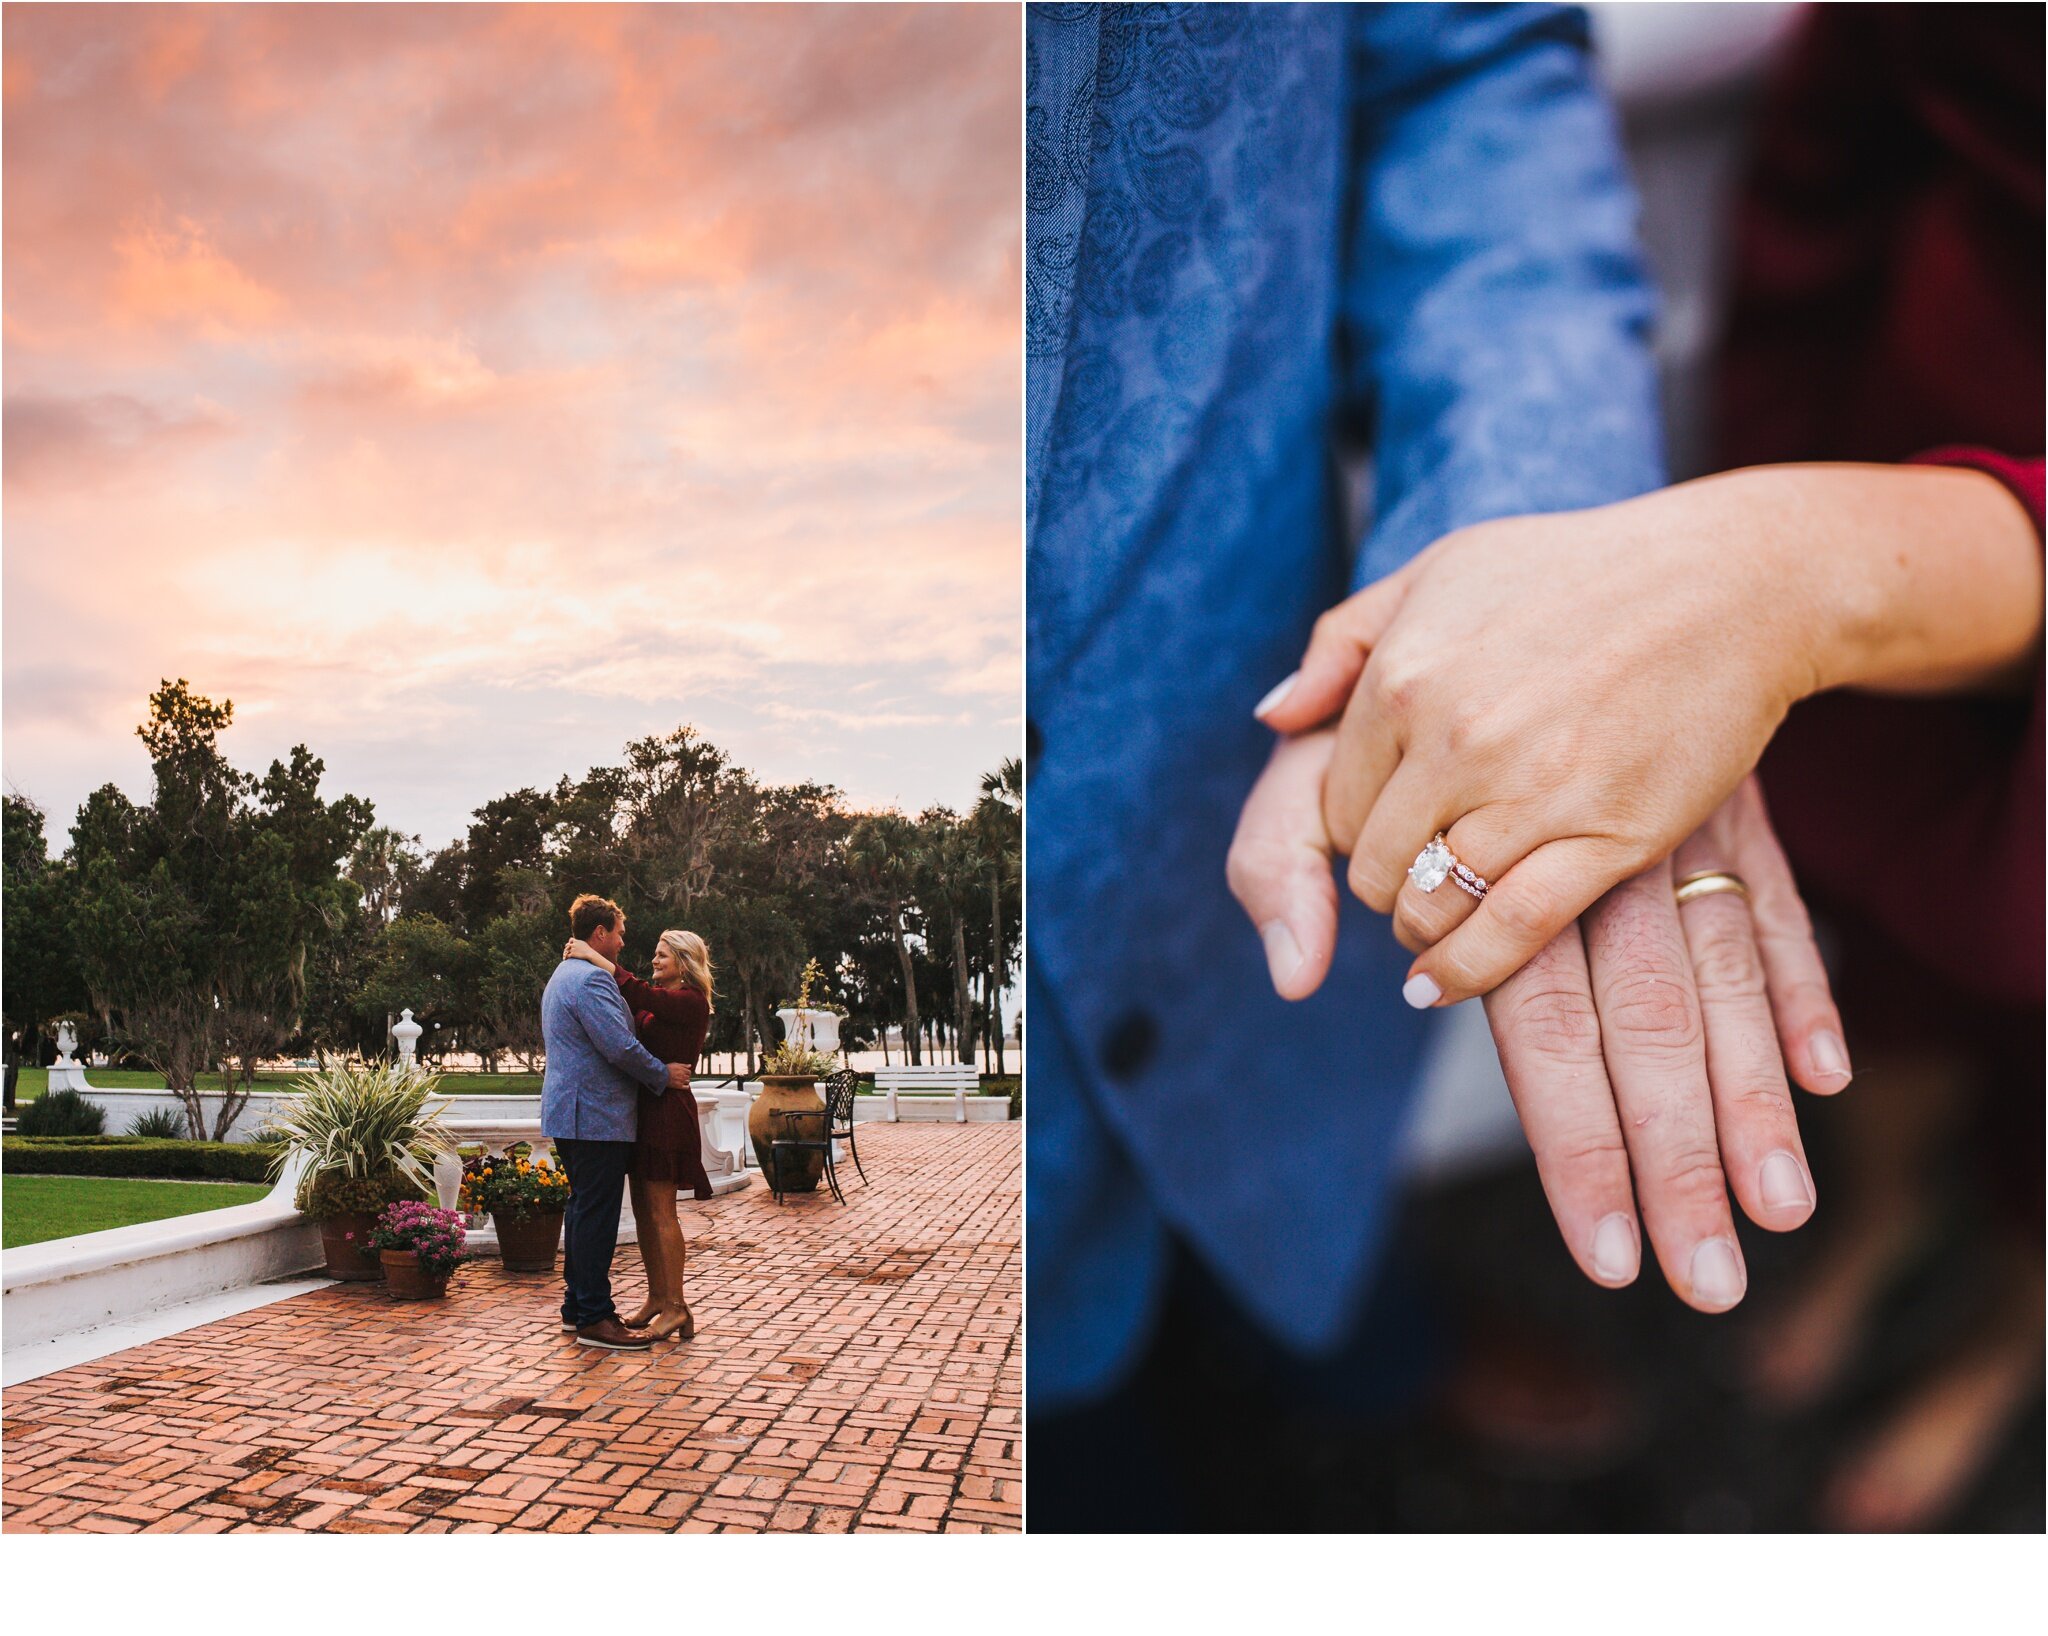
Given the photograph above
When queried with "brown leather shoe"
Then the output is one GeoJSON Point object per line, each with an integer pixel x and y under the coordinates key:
{"type": "Point", "coordinates": [613, 1336]}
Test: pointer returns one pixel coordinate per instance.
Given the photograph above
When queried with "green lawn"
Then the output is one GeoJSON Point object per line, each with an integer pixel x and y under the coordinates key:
{"type": "Point", "coordinates": [34, 1081]}
{"type": "Point", "coordinates": [35, 1208]}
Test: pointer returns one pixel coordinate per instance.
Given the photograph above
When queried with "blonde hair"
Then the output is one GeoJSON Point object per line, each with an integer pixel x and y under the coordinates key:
{"type": "Point", "coordinates": [694, 956]}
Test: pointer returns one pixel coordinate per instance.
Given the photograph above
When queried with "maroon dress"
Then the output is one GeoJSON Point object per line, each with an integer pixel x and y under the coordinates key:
{"type": "Point", "coordinates": [1887, 303]}
{"type": "Point", "coordinates": [1887, 307]}
{"type": "Point", "coordinates": [672, 1023]}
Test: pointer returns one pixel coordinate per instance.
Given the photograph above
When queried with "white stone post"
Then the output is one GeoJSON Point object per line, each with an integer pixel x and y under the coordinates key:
{"type": "Point", "coordinates": [407, 1033]}
{"type": "Point", "coordinates": [67, 1073]}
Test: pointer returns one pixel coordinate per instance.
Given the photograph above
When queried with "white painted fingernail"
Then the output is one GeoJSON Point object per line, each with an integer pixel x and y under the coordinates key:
{"type": "Point", "coordinates": [1717, 1282]}
{"type": "Point", "coordinates": [1421, 991]}
{"type": "Point", "coordinates": [1782, 1182]}
{"type": "Point", "coordinates": [1280, 691]}
{"type": "Point", "coordinates": [1616, 1255]}
{"type": "Point", "coordinates": [1283, 954]}
{"type": "Point", "coordinates": [1830, 1057]}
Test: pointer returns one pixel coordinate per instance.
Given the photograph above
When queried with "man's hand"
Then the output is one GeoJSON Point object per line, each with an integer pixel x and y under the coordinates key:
{"type": "Point", "coordinates": [1279, 864]}
{"type": "Point", "coordinates": [1641, 1045]}
{"type": "Point", "coordinates": [679, 1076]}
{"type": "Point", "coordinates": [1645, 1043]}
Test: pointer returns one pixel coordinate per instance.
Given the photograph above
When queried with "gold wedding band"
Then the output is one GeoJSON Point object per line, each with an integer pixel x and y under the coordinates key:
{"type": "Point", "coordinates": [1704, 883]}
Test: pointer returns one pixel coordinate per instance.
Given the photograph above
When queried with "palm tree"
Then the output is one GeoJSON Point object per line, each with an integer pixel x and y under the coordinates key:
{"type": "Point", "coordinates": [883, 855]}
{"type": "Point", "coordinates": [383, 860]}
{"type": "Point", "coordinates": [950, 881]}
{"type": "Point", "coordinates": [998, 824]}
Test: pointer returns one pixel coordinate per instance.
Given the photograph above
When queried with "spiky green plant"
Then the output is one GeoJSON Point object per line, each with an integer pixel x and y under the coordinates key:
{"type": "Point", "coordinates": [362, 1124]}
{"type": "Point", "coordinates": [788, 1061]}
{"type": "Point", "coordinates": [164, 1124]}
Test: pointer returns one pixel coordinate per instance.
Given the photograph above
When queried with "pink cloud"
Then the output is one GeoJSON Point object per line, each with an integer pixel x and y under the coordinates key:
{"type": "Point", "coordinates": [419, 368]}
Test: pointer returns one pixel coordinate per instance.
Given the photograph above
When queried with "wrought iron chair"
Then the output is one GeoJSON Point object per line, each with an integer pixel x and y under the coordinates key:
{"type": "Point", "coordinates": [840, 1091]}
{"type": "Point", "coordinates": [836, 1125]}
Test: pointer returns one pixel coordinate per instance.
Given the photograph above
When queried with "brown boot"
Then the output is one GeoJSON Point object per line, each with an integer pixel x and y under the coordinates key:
{"type": "Point", "coordinates": [613, 1336]}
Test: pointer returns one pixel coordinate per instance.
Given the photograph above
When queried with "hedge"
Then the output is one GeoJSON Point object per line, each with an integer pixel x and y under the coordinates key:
{"type": "Point", "coordinates": [135, 1156]}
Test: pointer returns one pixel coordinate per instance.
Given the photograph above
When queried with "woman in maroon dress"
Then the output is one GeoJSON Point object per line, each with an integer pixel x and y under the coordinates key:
{"type": "Point", "coordinates": [671, 1015]}
{"type": "Point", "coordinates": [1887, 301]}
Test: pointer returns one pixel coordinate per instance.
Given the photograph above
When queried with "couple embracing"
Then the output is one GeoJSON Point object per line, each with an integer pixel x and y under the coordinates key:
{"type": "Point", "coordinates": [616, 1104]}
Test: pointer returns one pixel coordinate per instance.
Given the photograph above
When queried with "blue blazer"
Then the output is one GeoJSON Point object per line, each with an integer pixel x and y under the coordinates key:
{"type": "Point", "coordinates": [1254, 233]}
{"type": "Point", "coordinates": [596, 1066]}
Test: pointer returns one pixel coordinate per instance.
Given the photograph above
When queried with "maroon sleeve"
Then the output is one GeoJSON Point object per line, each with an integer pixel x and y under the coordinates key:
{"type": "Point", "coordinates": [1922, 818]}
{"type": "Point", "coordinates": [1886, 256]}
{"type": "Point", "coordinates": [673, 1005]}
{"type": "Point", "coordinates": [2022, 476]}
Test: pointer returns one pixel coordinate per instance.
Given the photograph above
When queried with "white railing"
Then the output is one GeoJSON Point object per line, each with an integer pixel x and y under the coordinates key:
{"type": "Point", "coordinates": [721, 1124]}
{"type": "Point", "coordinates": [67, 1285]}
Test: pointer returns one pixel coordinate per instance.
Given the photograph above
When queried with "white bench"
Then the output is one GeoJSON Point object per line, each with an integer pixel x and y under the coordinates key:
{"type": "Point", "coordinates": [959, 1079]}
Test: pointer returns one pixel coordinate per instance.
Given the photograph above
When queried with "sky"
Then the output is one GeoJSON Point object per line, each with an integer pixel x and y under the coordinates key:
{"type": "Point", "coordinates": [465, 391]}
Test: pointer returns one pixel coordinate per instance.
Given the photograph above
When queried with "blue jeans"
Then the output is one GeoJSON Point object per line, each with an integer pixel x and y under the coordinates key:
{"type": "Point", "coordinates": [590, 1227]}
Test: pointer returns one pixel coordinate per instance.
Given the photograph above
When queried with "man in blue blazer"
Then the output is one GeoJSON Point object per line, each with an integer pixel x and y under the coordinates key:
{"type": "Point", "coordinates": [589, 1109]}
{"type": "Point", "coordinates": [1257, 235]}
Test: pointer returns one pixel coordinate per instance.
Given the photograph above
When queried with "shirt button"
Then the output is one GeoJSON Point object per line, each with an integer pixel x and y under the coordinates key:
{"type": "Point", "coordinates": [1130, 1044]}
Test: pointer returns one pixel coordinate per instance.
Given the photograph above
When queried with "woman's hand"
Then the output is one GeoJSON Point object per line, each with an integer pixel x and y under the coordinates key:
{"type": "Point", "coordinates": [577, 949]}
{"type": "Point", "coordinates": [1568, 697]}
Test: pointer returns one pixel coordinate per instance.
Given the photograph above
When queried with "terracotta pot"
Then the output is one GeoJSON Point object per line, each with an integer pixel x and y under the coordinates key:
{"type": "Point", "coordinates": [529, 1243]}
{"type": "Point", "coordinates": [784, 1093]}
{"type": "Point", "coordinates": [407, 1280]}
{"type": "Point", "coordinates": [350, 1258]}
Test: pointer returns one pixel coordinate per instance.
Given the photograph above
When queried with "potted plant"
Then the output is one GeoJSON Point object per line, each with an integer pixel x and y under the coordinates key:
{"type": "Point", "coordinates": [368, 1138]}
{"type": "Point", "coordinates": [420, 1248]}
{"type": "Point", "coordinates": [346, 1208]}
{"type": "Point", "coordinates": [525, 1198]}
{"type": "Point", "coordinates": [789, 1085]}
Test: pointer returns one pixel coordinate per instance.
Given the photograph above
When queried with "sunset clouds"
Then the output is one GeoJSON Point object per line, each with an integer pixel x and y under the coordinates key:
{"type": "Point", "coordinates": [464, 391]}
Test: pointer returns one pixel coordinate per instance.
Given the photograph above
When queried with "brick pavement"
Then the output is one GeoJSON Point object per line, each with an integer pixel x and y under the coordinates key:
{"type": "Point", "coordinates": [855, 1368]}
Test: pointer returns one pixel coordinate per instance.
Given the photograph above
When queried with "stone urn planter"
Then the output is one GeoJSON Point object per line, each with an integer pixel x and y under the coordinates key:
{"type": "Point", "coordinates": [528, 1242]}
{"type": "Point", "coordinates": [406, 1280]}
{"type": "Point", "coordinates": [821, 1028]}
{"type": "Point", "coordinates": [346, 1239]}
{"type": "Point", "coordinates": [781, 1094]}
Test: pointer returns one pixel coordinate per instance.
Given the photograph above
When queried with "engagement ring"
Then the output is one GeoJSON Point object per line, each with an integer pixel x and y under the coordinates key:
{"type": "Point", "coordinates": [1434, 865]}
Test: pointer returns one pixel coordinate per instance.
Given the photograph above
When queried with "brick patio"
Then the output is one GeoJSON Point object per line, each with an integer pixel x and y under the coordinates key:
{"type": "Point", "coordinates": [855, 1368]}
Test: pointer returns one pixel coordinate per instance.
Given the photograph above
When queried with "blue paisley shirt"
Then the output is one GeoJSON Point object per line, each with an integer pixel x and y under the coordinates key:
{"type": "Point", "coordinates": [1256, 234]}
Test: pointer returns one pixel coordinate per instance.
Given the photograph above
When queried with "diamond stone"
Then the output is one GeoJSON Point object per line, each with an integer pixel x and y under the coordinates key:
{"type": "Point", "coordinates": [1432, 866]}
